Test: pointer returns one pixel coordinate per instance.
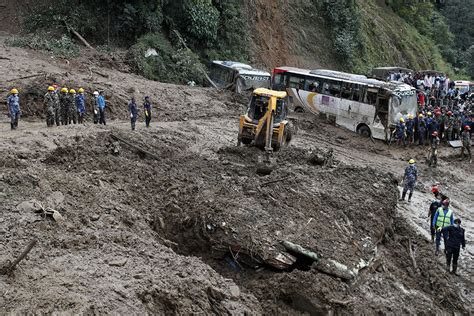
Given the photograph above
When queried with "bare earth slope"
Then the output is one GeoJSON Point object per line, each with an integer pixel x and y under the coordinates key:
{"type": "Point", "coordinates": [182, 231]}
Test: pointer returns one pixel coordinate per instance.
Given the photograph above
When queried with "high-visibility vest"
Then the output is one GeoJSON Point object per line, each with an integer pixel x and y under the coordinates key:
{"type": "Point", "coordinates": [443, 220]}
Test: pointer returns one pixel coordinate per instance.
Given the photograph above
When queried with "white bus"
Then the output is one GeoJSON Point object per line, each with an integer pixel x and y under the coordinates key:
{"type": "Point", "coordinates": [366, 106]}
{"type": "Point", "coordinates": [237, 76]}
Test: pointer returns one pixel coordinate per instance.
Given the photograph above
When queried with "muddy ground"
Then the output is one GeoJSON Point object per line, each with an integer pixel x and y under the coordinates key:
{"type": "Point", "coordinates": [191, 227]}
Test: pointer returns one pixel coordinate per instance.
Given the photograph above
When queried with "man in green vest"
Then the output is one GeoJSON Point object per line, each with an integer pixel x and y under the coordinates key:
{"type": "Point", "coordinates": [443, 218]}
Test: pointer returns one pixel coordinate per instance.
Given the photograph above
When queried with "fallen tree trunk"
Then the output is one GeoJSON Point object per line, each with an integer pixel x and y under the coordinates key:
{"type": "Point", "coordinates": [140, 150]}
{"type": "Point", "coordinates": [100, 73]}
{"type": "Point", "coordinates": [27, 77]}
{"type": "Point", "coordinates": [200, 68]}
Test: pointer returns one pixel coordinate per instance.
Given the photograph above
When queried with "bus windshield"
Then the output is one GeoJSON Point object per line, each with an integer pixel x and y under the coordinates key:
{"type": "Point", "coordinates": [252, 82]}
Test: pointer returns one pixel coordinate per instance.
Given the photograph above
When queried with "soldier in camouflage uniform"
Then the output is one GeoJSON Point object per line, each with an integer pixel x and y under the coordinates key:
{"type": "Point", "coordinates": [449, 125]}
{"type": "Point", "coordinates": [72, 106]}
{"type": "Point", "coordinates": [57, 107]}
{"type": "Point", "coordinates": [434, 149]}
{"type": "Point", "coordinates": [466, 142]}
{"type": "Point", "coordinates": [64, 106]}
{"type": "Point", "coordinates": [49, 104]}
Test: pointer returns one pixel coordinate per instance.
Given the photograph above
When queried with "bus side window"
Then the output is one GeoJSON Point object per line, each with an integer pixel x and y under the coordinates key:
{"type": "Point", "coordinates": [346, 92]}
{"type": "Point", "coordinates": [371, 97]}
{"type": "Point", "coordinates": [357, 92]}
{"type": "Point", "coordinates": [325, 87]}
{"type": "Point", "coordinates": [335, 88]}
{"type": "Point", "coordinates": [296, 83]}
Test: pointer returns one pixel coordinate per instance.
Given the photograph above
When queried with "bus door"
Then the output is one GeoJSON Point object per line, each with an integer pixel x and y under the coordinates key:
{"type": "Point", "coordinates": [381, 109]}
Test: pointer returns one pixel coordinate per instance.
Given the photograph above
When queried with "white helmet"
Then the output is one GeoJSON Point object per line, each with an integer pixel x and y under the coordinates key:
{"type": "Point", "coordinates": [96, 93]}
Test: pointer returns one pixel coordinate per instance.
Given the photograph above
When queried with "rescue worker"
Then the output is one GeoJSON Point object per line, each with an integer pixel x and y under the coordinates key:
{"type": "Point", "coordinates": [133, 109]}
{"type": "Point", "coordinates": [401, 132]}
{"type": "Point", "coordinates": [443, 218]}
{"type": "Point", "coordinates": [434, 150]}
{"type": "Point", "coordinates": [457, 125]}
{"type": "Point", "coordinates": [434, 207]}
{"type": "Point", "coordinates": [147, 109]}
{"type": "Point", "coordinates": [409, 179]}
{"type": "Point", "coordinates": [13, 102]}
{"type": "Point", "coordinates": [72, 106]}
{"type": "Point", "coordinates": [95, 106]}
{"type": "Point", "coordinates": [81, 106]}
{"type": "Point", "coordinates": [102, 106]}
{"type": "Point", "coordinates": [49, 106]}
{"type": "Point", "coordinates": [449, 125]}
{"type": "Point", "coordinates": [421, 130]}
{"type": "Point", "coordinates": [428, 122]}
{"type": "Point", "coordinates": [466, 142]}
{"type": "Point", "coordinates": [64, 106]}
{"type": "Point", "coordinates": [57, 107]}
{"type": "Point", "coordinates": [455, 239]}
{"type": "Point", "coordinates": [410, 128]}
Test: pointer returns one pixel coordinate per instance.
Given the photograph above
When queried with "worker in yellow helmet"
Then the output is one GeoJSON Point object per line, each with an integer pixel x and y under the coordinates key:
{"type": "Point", "coordinates": [401, 132]}
{"type": "Point", "coordinates": [13, 102]}
{"type": "Point", "coordinates": [49, 103]}
{"type": "Point", "coordinates": [409, 179]}
{"type": "Point", "coordinates": [410, 126]}
{"type": "Point", "coordinates": [72, 106]}
{"type": "Point", "coordinates": [64, 105]}
{"type": "Point", "coordinates": [80, 106]}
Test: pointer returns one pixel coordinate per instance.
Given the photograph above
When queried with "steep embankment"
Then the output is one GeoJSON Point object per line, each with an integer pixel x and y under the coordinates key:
{"type": "Point", "coordinates": [299, 34]}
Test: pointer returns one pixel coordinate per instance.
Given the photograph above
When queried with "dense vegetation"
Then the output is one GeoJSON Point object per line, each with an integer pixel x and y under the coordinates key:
{"type": "Point", "coordinates": [361, 33]}
{"type": "Point", "coordinates": [211, 29]}
{"type": "Point", "coordinates": [449, 24]}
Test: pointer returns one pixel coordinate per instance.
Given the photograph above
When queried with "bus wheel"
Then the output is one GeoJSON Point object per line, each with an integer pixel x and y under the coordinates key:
{"type": "Point", "coordinates": [299, 109]}
{"type": "Point", "coordinates": [364, 131]}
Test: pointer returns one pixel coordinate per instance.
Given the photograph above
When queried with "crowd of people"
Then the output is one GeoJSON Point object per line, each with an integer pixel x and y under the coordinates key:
{"type": "Point", "coordinates": [444, 114]}
{"type": "Point", "coordinates": [63, 106]}
{"type": "Point", "coordinates": [441, 217]}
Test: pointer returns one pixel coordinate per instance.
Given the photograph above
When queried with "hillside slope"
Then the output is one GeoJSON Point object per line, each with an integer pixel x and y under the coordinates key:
{"type": "Point", "coordinates": [298, 34]}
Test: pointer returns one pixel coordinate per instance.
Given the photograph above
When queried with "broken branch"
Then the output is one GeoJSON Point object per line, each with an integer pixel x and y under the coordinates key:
{"type": "Point", "coordinates": [12, 266]}
{"type": "Point", "coordinates": [100, 73]}
{"type": "Point", "coordinates": [273, 181]}
{"type": "Point", "coordinates": [412, 255]}
{"type": "Point", "coordinates": [26, 77]}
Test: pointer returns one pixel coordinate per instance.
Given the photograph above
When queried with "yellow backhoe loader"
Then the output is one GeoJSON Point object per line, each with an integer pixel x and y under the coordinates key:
{"type": "Point", "coordinates": [265, 123]}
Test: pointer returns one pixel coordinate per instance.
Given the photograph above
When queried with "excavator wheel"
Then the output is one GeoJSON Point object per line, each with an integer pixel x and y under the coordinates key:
{"type": "Point", "coordinates": [246, 141]}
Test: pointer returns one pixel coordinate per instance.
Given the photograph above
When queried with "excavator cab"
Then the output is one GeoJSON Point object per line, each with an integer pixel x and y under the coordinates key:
{"type": "Point", "coordinates": [265, 123]}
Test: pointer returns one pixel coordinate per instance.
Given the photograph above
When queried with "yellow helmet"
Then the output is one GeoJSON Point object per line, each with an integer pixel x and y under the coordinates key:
{"type": "Point", "coordinates": [14, 91]}
{"type": "Point", "coordinates": [72, 91]}
{"type": "Point", "coordinates": [64, 90]}
{"type": "Point", "coordinates": [81, 90]}
{"type": "Point", "coordinates": [410, 116]}
{"type": "Point", "coordinates": [402, 120]}
{"type": "Point", "coordinates": [420, 115]}
{"type": "Point", "coordinates": [429, 113]}
{"type": "Point", "coordinates": [50, 88]}
{"type": "Point", "coordinates": [411, 161]}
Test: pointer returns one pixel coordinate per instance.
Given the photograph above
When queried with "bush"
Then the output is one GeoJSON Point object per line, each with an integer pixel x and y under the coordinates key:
{"type": "Point", "coordinates": [343, 17]}
{"type": "Point", "coordinates": [202, 20]}
{"type": "Point", "coordinates": [62, 47]}
{"type": "Point", "coordinates": [173, 64]}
